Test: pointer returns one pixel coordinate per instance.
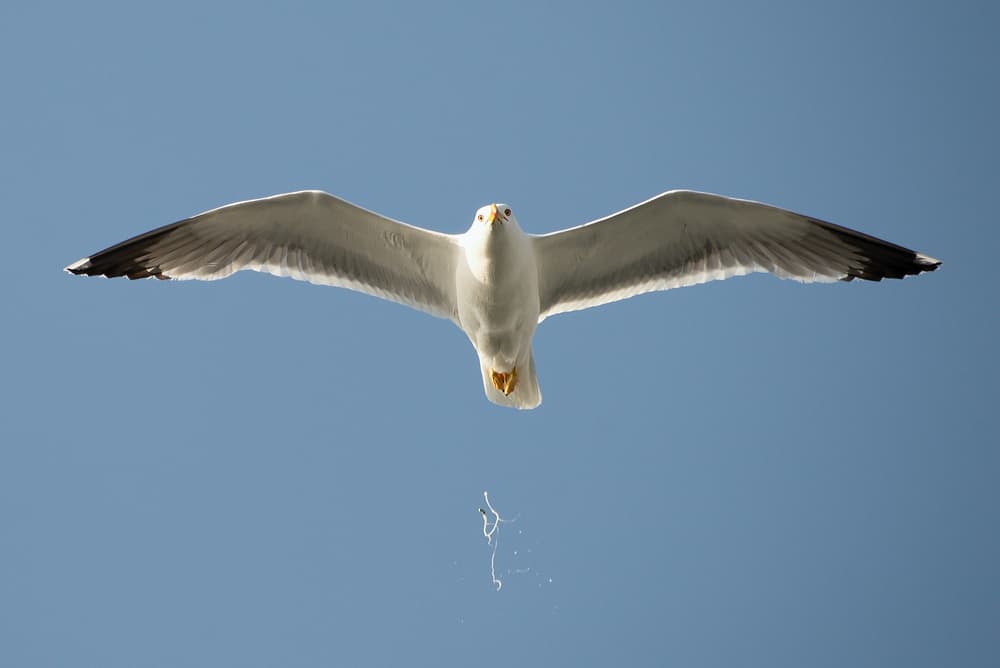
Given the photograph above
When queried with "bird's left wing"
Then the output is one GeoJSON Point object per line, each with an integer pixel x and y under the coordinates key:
{"type": "Point", "coordinates": [684, 238]}
{"type": "Point", "coordinates": [308, 235]}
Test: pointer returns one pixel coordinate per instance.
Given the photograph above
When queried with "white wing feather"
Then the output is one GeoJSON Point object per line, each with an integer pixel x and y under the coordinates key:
{"type": "Point", "coordinates": [309, 236]}
{"type": "Point", "coordinates": [683, 238]}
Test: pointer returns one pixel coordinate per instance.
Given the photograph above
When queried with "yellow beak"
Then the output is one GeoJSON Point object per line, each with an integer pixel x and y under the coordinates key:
{"type": "Point", "coordinates": [495, 215]}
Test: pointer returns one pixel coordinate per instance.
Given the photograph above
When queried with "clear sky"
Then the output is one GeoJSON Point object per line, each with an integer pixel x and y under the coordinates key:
{"type": "Point", "coordinates": [261, 472]}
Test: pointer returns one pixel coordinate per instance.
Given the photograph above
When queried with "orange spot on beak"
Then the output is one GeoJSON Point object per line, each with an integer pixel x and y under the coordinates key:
{"type": "Point", "coordinates": [495, 215]}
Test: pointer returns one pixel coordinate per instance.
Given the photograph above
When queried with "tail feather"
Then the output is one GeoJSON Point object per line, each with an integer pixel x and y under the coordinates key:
{"type": "Point", "coordinates": [526, 393]}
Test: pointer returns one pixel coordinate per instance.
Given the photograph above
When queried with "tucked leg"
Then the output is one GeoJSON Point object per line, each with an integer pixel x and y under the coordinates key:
{"type": "Point", "coordinates": [504, 381]}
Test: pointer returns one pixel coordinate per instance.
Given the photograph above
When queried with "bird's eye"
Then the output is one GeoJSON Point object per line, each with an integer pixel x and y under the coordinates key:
{"type": "Point", "coordinates": [479, 217]}
{"type": "Point", "coordinates": [506, 212]}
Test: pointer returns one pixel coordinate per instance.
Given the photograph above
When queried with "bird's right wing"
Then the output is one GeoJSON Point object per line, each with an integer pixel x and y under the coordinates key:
{"type": "Point", "coordinates": [684, 238]}
{"type": "Point", "coordinates": [308, 235]}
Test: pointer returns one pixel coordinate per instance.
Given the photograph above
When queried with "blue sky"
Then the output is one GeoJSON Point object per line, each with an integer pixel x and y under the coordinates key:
{"type": "Point", "coordinates": [260, 472]}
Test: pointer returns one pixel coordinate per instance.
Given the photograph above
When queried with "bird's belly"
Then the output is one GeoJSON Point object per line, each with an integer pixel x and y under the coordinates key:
{"type": "Point", "coordinates": [499, 318]}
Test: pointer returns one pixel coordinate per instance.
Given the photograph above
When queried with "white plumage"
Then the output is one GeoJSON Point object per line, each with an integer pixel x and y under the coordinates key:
{"type": "Point", "coordinates": [496, 282]}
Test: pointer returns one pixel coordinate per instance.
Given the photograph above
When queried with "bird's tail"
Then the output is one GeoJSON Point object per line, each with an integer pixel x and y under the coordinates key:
{"type": "Point", "coordinates": [525, 392]}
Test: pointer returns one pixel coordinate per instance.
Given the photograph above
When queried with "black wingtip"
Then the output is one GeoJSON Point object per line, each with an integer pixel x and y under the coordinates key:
{"type": "Point", "coordinates": [129, 259]}
{"type": "Point", "coordinates": [877, 259]}
{"type": "Point", "coordinates": [131, 271]}
{"type": "Point", "coordinates": [892, 262]}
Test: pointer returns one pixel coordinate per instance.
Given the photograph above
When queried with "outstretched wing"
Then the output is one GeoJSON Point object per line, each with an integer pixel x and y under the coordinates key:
{"type": "Point", "coordinates": [309, 235]}
{"type": "Point", "coordinates": [683, 238]}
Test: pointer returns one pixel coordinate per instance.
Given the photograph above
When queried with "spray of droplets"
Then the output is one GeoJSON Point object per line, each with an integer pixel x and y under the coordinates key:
{"type": "Point", "coordinates": [491, 537]}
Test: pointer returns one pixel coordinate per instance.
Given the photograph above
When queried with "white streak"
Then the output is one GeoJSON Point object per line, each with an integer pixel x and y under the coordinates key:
{"type": "Point", "coordinates": [489, 533]}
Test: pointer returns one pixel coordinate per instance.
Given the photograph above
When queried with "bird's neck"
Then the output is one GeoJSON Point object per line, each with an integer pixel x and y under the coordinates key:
{"type": "Point", "coordinates": [494, 256]}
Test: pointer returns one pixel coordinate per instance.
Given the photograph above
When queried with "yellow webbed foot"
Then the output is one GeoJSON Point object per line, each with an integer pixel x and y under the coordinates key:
{"type": "Point", "coordinates": [504, 382]}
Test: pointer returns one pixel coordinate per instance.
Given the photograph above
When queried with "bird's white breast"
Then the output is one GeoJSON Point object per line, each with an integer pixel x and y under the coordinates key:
{"type": "Point", "coordinates": [497, 290]}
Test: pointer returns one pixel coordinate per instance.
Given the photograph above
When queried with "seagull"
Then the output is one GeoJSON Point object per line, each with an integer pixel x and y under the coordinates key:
{"type": "Point", "coordinates": [495, 282]}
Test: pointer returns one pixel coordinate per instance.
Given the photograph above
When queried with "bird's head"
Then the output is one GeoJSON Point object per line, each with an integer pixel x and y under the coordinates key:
{"type": "Point", "coordinates": [493, 216]}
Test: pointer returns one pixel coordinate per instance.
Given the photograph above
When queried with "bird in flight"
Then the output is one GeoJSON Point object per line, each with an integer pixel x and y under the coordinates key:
{"type": "Point", "coordinates": [496, 282]}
